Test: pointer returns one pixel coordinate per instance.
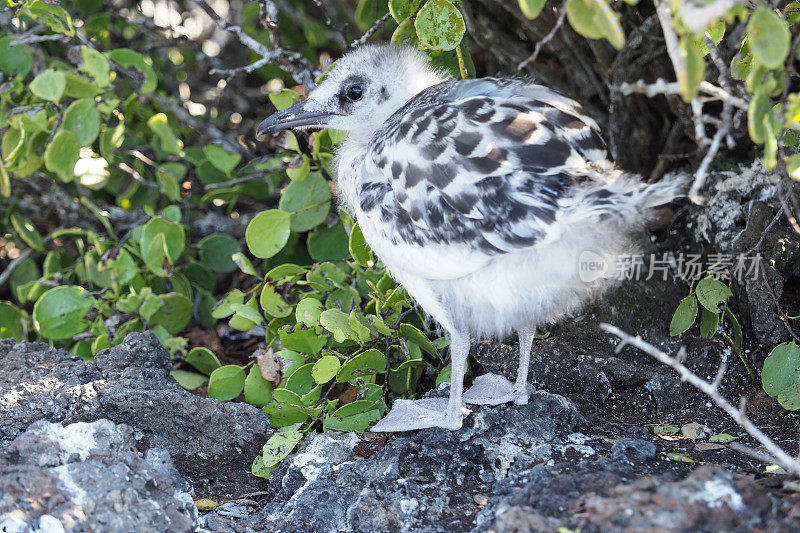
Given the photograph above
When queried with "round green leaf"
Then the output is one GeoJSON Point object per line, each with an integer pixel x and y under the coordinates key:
{"type": "Point", "coordinates": [402, 9]}
{"type": "Point", "coordinates": [273, 303]}
{"type": "Point", "coordinates": [226, 382]}
{"type": "Point", "coordinates": [49, 85]}
{"type": "Point", "coordinates": [268, 233]}
{"type": "Point", "coordinates": [221, 158]}
{"type": "Point", "coordinates": [531, 8]}
{"type": "Point", "coordinates": [58, 314]}
{"type": "Point", "coordinates": [203, 360]}
{"type": "Point", "coordinates": [96, 65]}
{"type": "Point", "coordinates": [712, 292]}
{"type": "Point", "coordinates": [359, 249]}
{"type": "Point", "coordinates": [769, 37]}
{"type": "Point", "coordinates": [216, 251]}
{"type": "Point", "coordinates": [308, 311]}
{"type": "Point", "coordinates": [257, 390]}
{"type": "Point", "coordinates": [596, 20]}
{"type": "Point", "coordinates": [173, 234]}
{"type": "Point", "coordinates": [188, 380]}
{"type": "Point", "coordinates": [364, 365]}
{"type": "Point", "coordinates": [16, 59]}
{"type": "Point", "coordinates": [174, 314]}
{"type": "Point", "coordinates": [128, 58]}
{"type": "Point", "coordinates": [11, 319]}
{"type": "Point", "coordinates": [781, 368]}
{"type": "Point", "coordinates": [82, 119]}
{"type": "Point", "coordinates": [62, 153]}
{"type": "Point", "coordinates": [329, 244]}
{"type": "Point", "coordinates": [308, 201]}
{"type": "Point", "coordinates": [325, 368]}
{"type": "Point", "coordinates": [439, 25]}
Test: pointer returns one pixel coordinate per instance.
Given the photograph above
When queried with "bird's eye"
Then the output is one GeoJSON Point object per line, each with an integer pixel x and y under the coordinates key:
{"type": "Point", "coordinates": [354, 92]}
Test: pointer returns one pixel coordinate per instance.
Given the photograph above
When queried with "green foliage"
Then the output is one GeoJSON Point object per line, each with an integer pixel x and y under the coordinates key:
{"type": "Point", "coordinates": [780, 376]}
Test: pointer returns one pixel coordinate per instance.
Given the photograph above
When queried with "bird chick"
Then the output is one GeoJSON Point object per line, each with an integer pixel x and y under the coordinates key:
{"type": "Point", "coordinates": [480, 197]}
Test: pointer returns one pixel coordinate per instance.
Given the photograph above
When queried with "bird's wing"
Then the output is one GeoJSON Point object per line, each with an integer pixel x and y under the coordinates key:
{"type": "Point", "coordinates": [484, 162]}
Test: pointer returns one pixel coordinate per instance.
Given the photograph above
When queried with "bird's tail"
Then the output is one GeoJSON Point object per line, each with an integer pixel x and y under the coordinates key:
{"type": "Point", "coordinates": [671, 187]}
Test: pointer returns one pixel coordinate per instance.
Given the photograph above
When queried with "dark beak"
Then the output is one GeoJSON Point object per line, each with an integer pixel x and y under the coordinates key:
{"type": "Point", "coordinates": [295, 116]}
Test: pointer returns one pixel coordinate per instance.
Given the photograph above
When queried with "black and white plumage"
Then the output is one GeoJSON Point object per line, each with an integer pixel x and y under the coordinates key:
{"type": "Point", "coordinates": [479, 196]}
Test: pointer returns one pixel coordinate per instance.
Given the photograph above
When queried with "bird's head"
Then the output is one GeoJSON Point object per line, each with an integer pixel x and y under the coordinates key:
{"type": "Point", "coordinates": [363, 89]}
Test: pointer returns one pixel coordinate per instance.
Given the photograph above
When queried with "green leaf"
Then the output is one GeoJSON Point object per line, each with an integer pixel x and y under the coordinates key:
{"type": "Point", "coordinates": [277, 448]}
{"type": "Point", "coordinates": [531, 8]}
{"type": "Point", "coordinates": [16, 59]}
{"type": "Point", "coordinates": [61, 155]}
{"type": "Point", "coordinates": [27, 231]}
{"type": "Point", "coordinates": [439, 25]}
{"type": "Point", "coordinates": [358, 422]}
{"type": "Point", "coordinates": [188, 380]}
{"type": "Point", "coordinates": [96, 65]}
{"type": "Point", "coordinates": [159, 124]}
{"type": "Point", "coordinates": [678, 457]}
{"type": "Point", "coordinates": [174, 236]}
{"type": "Point", "coordinates": [363, 365]}
{"type": "Point", "coordinates": [54, 16]}
{"type": "Point", "coordinates": [789, 398]}
{"type": "Point", "coordinates": [273, 303]}
{"type": "Point", "coordinates": [406, 33]}
{"type": "Point", "coordinates": [257, 390]}
{"type": "Point", "coordinates": [793, 166]}
{"type": "Point", "coordinates": [59, 313]}
{"type": "Point", "coordinates": [712, 292]}
{"type": "Point", "coordinates": [221, 158]}
{"type": "Point", "coordinates": [722, 437]}
{"type": "Point", "coordinates": [308, 311]}
{"type": "Point", "coordinates": [11, 321]}
{"type": "Point", "coordinates": [757, 112]}
{"type": "Point", "coordinates": [82, 119]}
{"type": "Point", "coordinates": [325, 369]}
{"type": "Point", "coordinates": [216, 251]}
{"type": "Point", "coordinates": [49, 85]}
{"type": "Point", "coordinates": [329, 244]}
{"type": "Point", "coordinates": [709, 321]}
{"type": "Point", "coordinates": [781, 368]}
{"type": "Point", "coordinates": [223, 308]}
{"type": "Point", "coordinates": [302, 340]}
{"type": "Point", "coordinates": [203, 360]}
{"type": "Point", "coordinates": [769, 37]}
{"type": "Point", "coordinates": [402, 9]}
{"type": "Point", "coordinates": [268, 233]}
{"type": "Point", "coordinates": [129, 59]}
{"type": "Point", "coordinates": [338, 323]}
{"type": "Point", "coordinates": [284, 99]}
{"type": "Point", "coordinates": [695, 71]}
{"type": "Point", "coordinates": [359, 249]}
{"type": "Point", "coordinates": [299, 167]}
{"type": "Point", "coordinates": [244, 264]}
{"type": "Point", "coordinates": [226, 382]}
{"type": "Point", "coordinates": [596, 20]}
{"type": "Point", "coordinates": [247, 311]}
{"type": "Point", "coordinates": [169, 176]}
{"type": "Point", "coordinates": [174, 313]}
{"type": "Point", "coordinates": [411, 333]}
{"type": "Point", "coordinates": [308, 201]}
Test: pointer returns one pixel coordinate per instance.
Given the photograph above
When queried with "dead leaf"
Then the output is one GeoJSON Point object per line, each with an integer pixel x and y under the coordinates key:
{"type": "Point", "coordinates": [348, 395]}
{"type": "Point", "coordinates": [367, 449]}
{"type": "Point", "coordinates": [695, 431]}
{"type": "Point", "coordinates": [708, 446]}
{"type": "Point", "coordinates": [269, 366]}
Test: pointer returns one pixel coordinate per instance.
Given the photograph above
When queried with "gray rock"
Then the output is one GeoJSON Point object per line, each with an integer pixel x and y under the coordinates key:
{"type": "Point", "coordinates": [212, 443]}
{"type": "Point", "coordinates": [633, 450]}
{"type": "Point", "coordinates": [90, 477]}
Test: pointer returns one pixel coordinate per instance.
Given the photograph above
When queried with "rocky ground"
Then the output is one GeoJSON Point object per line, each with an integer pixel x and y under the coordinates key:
{"type": "Point", "coordinates": [115, 444]}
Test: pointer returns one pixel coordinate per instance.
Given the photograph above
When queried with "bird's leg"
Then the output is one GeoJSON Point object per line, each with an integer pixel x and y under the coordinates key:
{"type": "Point", "coordinates": [433, 412]}
{"type": "Point", "coordinates": [493, 389]}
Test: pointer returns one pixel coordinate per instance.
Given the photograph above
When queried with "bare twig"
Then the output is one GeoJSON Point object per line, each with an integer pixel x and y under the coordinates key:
{"type": "Point", "coordinates": [292, 62]}
{"type": "Point", "coordinates": [380, 23]}
{"type": "Point", "coordinates": [33, 39]}
{"type": "Point", "coordinates": [660, 86]}
{"type": "Point", "coordinates": [775, 453]}
{"type": "Point", "coordinates": [562, 13]}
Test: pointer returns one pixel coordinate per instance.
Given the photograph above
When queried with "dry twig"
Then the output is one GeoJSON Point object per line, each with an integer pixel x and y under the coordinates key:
{"type": "Point", "coordinates": [380, 23]}
{"type": "Point", "coordinates": [775, 453]}
{"type": "Point", "coordinates": [562, 13]}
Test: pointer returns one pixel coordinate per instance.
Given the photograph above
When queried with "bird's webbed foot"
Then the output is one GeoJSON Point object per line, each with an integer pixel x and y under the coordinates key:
{"type": "Point", "coordinates": [421, 414]}
{"type": "Point", "coordinates": [493, 389]}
